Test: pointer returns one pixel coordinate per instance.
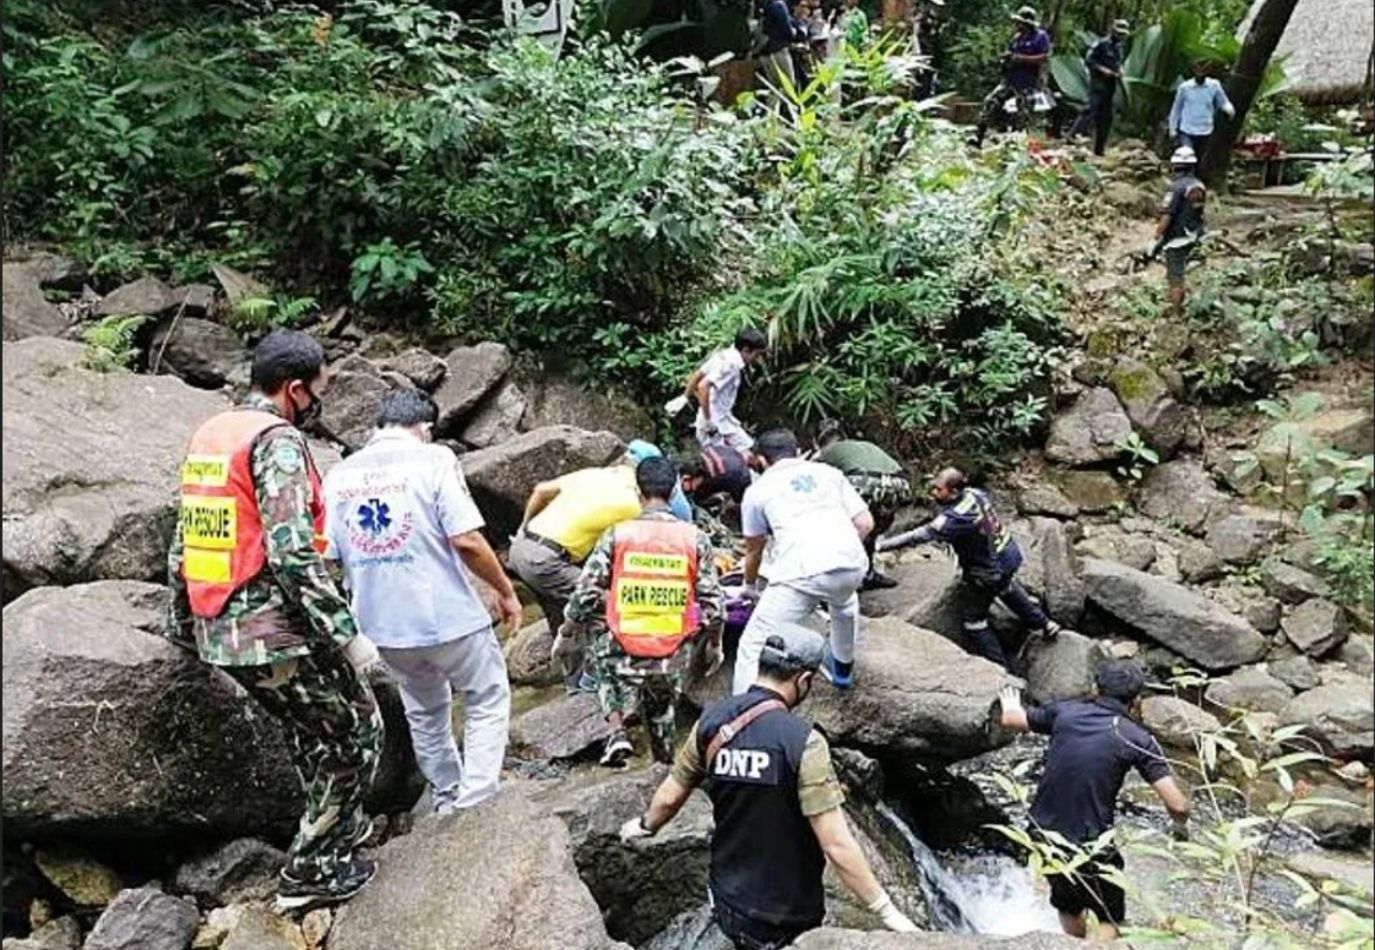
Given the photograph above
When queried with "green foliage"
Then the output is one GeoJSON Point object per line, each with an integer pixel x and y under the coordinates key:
{"type": "Point", "coordinates": [254, 316]}
{"type": "Point", "coordinates": [110, 344]}
{"type": "Point", "coordinates": [385, 270]}
{"type": "Point", "coordinates": [1140, 457]}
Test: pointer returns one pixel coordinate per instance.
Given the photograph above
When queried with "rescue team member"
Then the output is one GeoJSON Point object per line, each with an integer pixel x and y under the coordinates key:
{"type": "Point", "coordinates": [716, 385]}
{"type": "Point", "coordinates": [648, 588]}
{"type": "Point", "coordinates": [717, 470]}
{"type": "Point", "coordinates": [405, 529]}
{"type": "Point", "coordinates": [879, 479]}
{"type": "Point", "coordinates": [815, 524]}
{"type": "Point", "coordinates": [250, 590]}
{"type": "Point", "coordinates": [989, 558]}
{"type": "Point", "coordinates": [1093, 744]}
{"type": "Point", "coordinates": [1181, 223]}
{"type": "Point", "coordinates": [776, 802]}
{"type": "Point", "coordinates": [1104, 63]}
{"type": "Point", "coordinates": [563, 520]}
{"type": "Point", "coordinates": [1026, 53]}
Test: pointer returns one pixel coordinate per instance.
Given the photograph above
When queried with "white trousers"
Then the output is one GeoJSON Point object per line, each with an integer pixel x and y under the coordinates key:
{"type": "Point", "coordinates": [472, 667]}
{"type": "Point", "coordinates": [792, 602]}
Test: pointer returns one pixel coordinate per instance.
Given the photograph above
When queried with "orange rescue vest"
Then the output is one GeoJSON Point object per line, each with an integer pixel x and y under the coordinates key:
{"type": "Point", "coordinates": [222, 529]}
{"type": "Point", "coordinates": [652, 605]}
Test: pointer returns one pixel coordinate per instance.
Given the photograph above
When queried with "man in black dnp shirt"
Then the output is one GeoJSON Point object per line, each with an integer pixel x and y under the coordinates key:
{"type": "Point", "coordinates": [1093, 744]}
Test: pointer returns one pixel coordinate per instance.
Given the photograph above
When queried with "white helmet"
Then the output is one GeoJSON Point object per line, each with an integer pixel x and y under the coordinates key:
{"type": "Point", "coordinates": [1184, 155]}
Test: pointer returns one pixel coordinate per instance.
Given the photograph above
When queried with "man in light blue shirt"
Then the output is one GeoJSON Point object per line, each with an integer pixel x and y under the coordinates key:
{"type": "Point", "coordinates": [1196, 101]}
{"type": "Point", "coordinates": [402, 524]}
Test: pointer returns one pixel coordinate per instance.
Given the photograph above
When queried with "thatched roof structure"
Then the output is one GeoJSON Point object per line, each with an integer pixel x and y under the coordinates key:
{"type": "Point", "coordinates": [1330, 46]}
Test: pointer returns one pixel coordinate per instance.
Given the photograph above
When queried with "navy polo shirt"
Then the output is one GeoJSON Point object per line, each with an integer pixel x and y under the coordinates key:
{"type": "Point", "coordinates": [1093, 744]}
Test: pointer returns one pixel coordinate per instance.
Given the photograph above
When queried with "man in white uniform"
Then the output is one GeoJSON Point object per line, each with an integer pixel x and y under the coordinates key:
{"type": "Point", "coordinates": [716, 385]}
{"type": "Point", "coordinates": [815, 523]}
{"type": "Point", "coordinates": [405, 529]}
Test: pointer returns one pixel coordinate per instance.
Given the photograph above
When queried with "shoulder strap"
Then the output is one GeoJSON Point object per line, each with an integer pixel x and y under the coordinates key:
{"type": "Point", "coordinates": [733, 728]}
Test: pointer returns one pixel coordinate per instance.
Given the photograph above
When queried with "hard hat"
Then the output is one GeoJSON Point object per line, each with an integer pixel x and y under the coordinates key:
{"type": "Point", "coordinates": [1026, 15]}
{"type": "Point", "coordinates": [1184, 155]}
{"type": "Point", "coordinates": [1121, 27]}
{"type": "Point", "coordinates": [794, 648]}
{"type": "Point", "coordinates": [637, 450]}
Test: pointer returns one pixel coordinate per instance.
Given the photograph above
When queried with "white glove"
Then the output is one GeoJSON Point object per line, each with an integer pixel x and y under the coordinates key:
{"type": "Point", "coordinates": [362, 653]}
{"type": "Point", "coordinates": [715, 657]}
{"type": "Point", "coordinates": [892, 918]}
{"type": "Point", "coordinates": [635, 828]}
{"type": "Point", "coordinates": [1010, 698]}
{"type": "Point", "coordinates": [566, 640]}
{"type": "Point", "coordinates": [676, 405]}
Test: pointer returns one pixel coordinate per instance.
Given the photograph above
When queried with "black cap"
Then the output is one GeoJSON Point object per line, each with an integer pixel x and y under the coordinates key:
{"type": "Point", "coordinates": [1120, 679]}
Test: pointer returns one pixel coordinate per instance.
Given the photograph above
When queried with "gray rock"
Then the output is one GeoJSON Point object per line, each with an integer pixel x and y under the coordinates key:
{"type": "Point", "coordinates": [528, 662]}
{"type": "Point", "coordinates": [349, 413]}
{"type": "Point", "coordinates": [110, 731]}
{"type": "Point", "coordinates": [243, 870]}
{"type": "Point", "coordinates": [1062, 668]}
{"type": "Point", "coordinates": [1296, 672]}
{"type": "Point", "coordinates": [1263, 613]}
{"type": "Point", "coordinates": [1063, 591]}
{"type": "Point", "coordinates": [1183, 493]}
{"type": "Point", "coordinates": [237, 285]}
{"type": "Point", "coordinates": [552, 401]}
{"type": "Point", "coordinates": [502, 477]}
{"type": "Point", "coordinates": [1089, 431]}
{"type": "Point", "coordinates": [421, 367]}
{"type": "Point", "coordinates": [26, 312]}
{"type": "Point", "coordinates": [496, 418]}
{"type": "Point", "coordinates": [829, 938]}
{"type": "Point", "coordinates": [64, 933]}
{"type": "Point", "coordinates": [1044, 498]}
{"type": "Point", "coordinates": [257, 928]}
{"type": "Point", "coordinates": [917, 694]}
{"type": "Point", "coordinates": [1357, 654]}
{"type": "Point", "coordinates": [1316, 627]}
{"type": "Point", "coordinates": [84, 881]}
{"type": "Point", "coordinates": [926, 595]}
{"type": "Point", "coordinates": [691, 930]}
{"type": "Point", "coordinates": [204, 353]}
{"type": "Point", "coordinates": [568, 727]}
{"type": "Point", "coordinates": [147, 296]}
{"type": "Point", "coordinates": [1091, 491]}
{"type": "Point", "coordinates": [1345, 823]}
{"type": "Point", "coordinates": [90, 478]}
{"type": "Point", "coordinates": [1243, 537]}
{"type": "Point", "coordinates": [1151, 408]}
{"type": "Point", "coordinates": [1199, 563]}
{"type": "Point", "coordinates": [55, 271]}
{"type": "Point", "coordinates": [1176, 722]}
{"type": "Point", "coordinates": [1251, 687]}
{"type": "Point", "coordinates": [1354, 873]}
{"type": "Point", "coordinates": [1337, 714]}
{"type": "Point", "coordinates": [1239, 471]}
{"type": "Point", "coordinates": [523, 894]}
{"type": "Point", "coordinates": [1111, 543]}
{"type": "Point", "coordinates": [1173, 616]}
{"type": "Point", "coordinates": [1347, 430]}
{"type": "Point", "coordinates": [144, 919]}
{"type": "Point", "coordinates": [473, 372]}
{"type": "Point", "coordinates": [193, 300]}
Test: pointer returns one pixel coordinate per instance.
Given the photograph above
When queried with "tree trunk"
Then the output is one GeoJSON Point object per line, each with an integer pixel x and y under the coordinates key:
{"type": "Point", "coordinates": [1256, 50]}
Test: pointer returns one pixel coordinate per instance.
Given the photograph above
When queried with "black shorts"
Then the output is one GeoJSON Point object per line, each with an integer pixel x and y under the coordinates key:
{"type": "Point", "coordinates": [1085, 890]}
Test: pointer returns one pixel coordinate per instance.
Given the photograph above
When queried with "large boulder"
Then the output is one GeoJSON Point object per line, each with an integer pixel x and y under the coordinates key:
{"type": "Point", "coordinates": [1150, 406]}
{"type": "Point", "coordinates": [1173, 616]}
{"type": "Point", "coordinates": [1091, 491]}
{"type": "Point", "coordinates": [925, 595]}
{"type": "Point", "coordinates": [144, 918]}
{"type": "Point", "coordinates": [502, 477]}
{"type": "Point", "coordinates": [349, 410]}
{"type": "Point", "coordinates": [569, 727]}
{"type": "Point", "coordinates": [1347, 430]}
{"type": "Point", "coordinates": [1062, 593]}
{"type": "Point", "coordinates": [111, 731]}
{"type": "Point", "coordinates": [91, 466]}
{"type": "Point", "coordinates": [1338, 714]}
{"type": "Point", "coordinates": [528, 659]}
{"type": "Point", "coordinates": [26, 312]}
{"type": "Point", "coordinates": [554, 401]}
{"type": "Point", "coordinates": [1090, 431]}
{"type": "Point", "coordinates": [146, 296]}
{"type": "Point", "coordinates": [916, 694]}
{"type": "Point", "coordinates": [1292, 585]}
{"type": "Point", "coordinates": [1242, 537]}
{"type": "Point", "coordinates": [1062, 668]}
{"type": "Point", "coordinates": [1184, 493]}
{"type": "Point", "coordinates": [1176, 722]}
{"type": "Point", "coordinates": [496, 877]}
{"type": "Point", "coordinates": [496, 418]}
{"type": "Point", "coordinates": [204, 353]}
{"type": "Point", "coordinates": [1316, 627]}
{"type": "Point", "coordinates": [473, 372]}
{"type": "Point", "coordinates": [1252, 688]}
{"type": "Point", "coordinates": [421, 367]}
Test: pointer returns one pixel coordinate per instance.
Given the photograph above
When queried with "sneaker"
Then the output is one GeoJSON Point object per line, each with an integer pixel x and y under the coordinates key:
{"type": "Point", "coordinates": [587, 683]}
{"type": "Point", "coordinates": [618, 749]}
{"type": "Point", "coordinates": [876, 581]}
{"type": "Point", "coordinates": [299, 895]}
{"type": "Point", "coordinates": [1051, 631]}
{"type": "Point", "coordinates": [840, 675]}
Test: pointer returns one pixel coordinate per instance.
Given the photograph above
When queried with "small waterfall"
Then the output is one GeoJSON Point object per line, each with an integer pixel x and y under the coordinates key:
{"type": "Point", "coordinates": [988, 894]}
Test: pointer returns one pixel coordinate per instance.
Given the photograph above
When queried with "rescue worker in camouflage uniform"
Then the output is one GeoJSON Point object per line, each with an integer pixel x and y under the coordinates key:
{"type": "Point", "coordinates": [647, 591]}
{"type": "Point", "coordinates": [251, 594]}
{"type": "Point", "coordinates": [1027, 52]}
{"type": "Point", "coordinates": [877, 477]}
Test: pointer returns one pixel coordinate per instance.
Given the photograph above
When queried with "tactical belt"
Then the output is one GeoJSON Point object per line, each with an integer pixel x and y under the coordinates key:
{"type": "Point", "coordinates": [733, 728]}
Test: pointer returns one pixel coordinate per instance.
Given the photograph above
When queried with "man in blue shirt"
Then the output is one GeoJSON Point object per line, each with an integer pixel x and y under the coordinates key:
{"type": "Point", "coordinates": [1196, 102]}
{"type": "Point", "coordinates": [1104, 62]}
{"type": "Point", "coordinates": [404, 527]}
{"type": "Point", "coordinates": [781, 29]}
{"type": "Point", "coordinates": [1027, 52]}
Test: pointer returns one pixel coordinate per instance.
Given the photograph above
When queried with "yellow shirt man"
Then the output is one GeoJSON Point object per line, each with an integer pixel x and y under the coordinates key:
{"type": "Point", "coordinates": [589, 501]}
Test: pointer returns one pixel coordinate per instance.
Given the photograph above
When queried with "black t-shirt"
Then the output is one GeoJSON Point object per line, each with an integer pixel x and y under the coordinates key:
{"type": "Point", "coordinates": [727, 471]}
{"type": "Point", "coordinates": [1107, 52]}
{"type": "Point", "coordinates": [1092, 746]}
{"type": "Point", "coordinates": [1186, 216]}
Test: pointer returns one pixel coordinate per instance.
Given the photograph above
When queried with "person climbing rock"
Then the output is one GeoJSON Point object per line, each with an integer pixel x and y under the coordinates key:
{"type": "Point", "coordinates": [776, 801]}
{"type": "Point", "coordinates": [1104, 64]}
{"type": "Point", "coordinates": [989, 559]}
{"type": "Point", "coordinates": [715, 386]}
{"type": "Point", "coordinates": [647, 591]}
{"type": "Point", "coordinates": [409, 539]}
{"type": "Point", "coordinates": [1181, 224]}
{"type": "Point", "coordinates": [1093, 744]}
{"type": "Point", "coordinates": [252, 595]}
{"type": "Point", "coordinates": [717, 470]}
{"type": "Point", "coordinates": [879, 479]}
{"type": "Point", "coordinates": [814, 524]}
{"type": "Point", "coordinates": [1027, 52]}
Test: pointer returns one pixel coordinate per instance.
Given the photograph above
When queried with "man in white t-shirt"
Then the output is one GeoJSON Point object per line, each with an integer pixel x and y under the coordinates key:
{"type": "Point", "coordinates": [402, 523]}
{"type": "Point", "coordinates": [716, 385]}
{"type": "Point", "coordinates": [814, 523]}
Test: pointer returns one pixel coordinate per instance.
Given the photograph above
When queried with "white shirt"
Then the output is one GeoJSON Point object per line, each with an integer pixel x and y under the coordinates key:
{"type": "Point", "coordinates": [808, 509]}
{"type": "Point", "coordinates": [723, 371]}
{"type": "Point", "coordinates": [391, 508]}
{"type": "Point", "coordinates": [1194, 105]}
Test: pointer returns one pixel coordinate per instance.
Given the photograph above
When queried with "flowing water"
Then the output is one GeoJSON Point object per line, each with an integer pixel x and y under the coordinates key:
{"type": "Point", "coordinates": [987, 893]}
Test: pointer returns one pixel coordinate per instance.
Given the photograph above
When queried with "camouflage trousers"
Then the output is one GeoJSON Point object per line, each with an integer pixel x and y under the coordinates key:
{"type": "Point", "coordinates": [626, 683]}
{"type": "Point", "coordinates": [336, 733]}
{"type": "Point", "coordinates": [992, 113]}
{"type": "Point", "coordinates": [884, 494]}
